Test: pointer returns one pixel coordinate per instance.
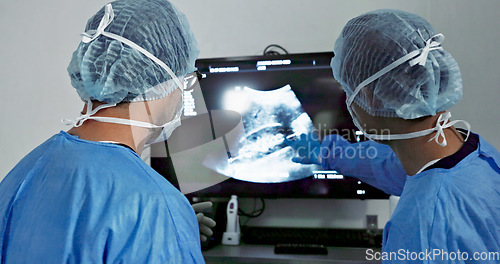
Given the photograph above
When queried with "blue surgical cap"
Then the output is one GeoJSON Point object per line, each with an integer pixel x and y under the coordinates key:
{"type": "Point", "coordinates": [372, 41]}
{"type": "Point", "coordinates": [110, 71]}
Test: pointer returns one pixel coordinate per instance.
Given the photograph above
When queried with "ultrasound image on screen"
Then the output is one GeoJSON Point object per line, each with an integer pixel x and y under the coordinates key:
{"type": "Point", "coordinates": [260, 154]}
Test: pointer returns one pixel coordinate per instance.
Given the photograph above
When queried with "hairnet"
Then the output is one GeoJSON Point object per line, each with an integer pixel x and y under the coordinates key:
{"type": "Point", "coordinates": [109, 71]}
{"type": "Point", "coordinates": [372, 41]}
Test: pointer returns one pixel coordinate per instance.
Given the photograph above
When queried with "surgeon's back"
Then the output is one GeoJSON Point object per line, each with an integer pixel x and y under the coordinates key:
{"type": "Point", "coordinates": [78, 201]}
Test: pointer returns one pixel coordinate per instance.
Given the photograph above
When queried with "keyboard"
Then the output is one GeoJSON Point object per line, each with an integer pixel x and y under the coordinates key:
{"type": "Point", "coordinates": [321, 236]}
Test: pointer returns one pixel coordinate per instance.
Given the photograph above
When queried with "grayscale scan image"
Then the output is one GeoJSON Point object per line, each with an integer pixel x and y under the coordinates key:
{"type": "Point", "coordinates": [260, 154]}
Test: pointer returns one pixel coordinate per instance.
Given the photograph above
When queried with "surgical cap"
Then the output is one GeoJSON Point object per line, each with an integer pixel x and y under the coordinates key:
{"type": "Point", "coordinates": [109, 71]}
{"type": "Point", "coordinates": [374, 40]}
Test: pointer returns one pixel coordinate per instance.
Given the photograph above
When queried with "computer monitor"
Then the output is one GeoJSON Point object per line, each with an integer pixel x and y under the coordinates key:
{"type": "Point", "coordinates": [307, 77]}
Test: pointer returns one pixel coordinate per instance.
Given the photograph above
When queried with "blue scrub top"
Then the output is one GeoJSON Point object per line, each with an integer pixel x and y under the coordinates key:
{"type": "Point", "coordinates": [444, 215]}
{"type": "Point", "coordinates": [78, 201]}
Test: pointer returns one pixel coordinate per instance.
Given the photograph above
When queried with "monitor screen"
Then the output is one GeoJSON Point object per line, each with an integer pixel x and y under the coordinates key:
{"type": "Point", "coordinates": [249, 106]}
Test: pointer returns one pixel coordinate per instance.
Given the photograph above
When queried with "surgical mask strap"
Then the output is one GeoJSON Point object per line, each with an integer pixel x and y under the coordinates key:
{"type": "Point", "coordinates": [130, 122]}
{"type": "Point", "coordinates": [431, 44]}
{"type": "Point", "coordinates": [105, 21]}
{"type": "Point", "coordinates": [88, 114]}
{"type": "Point", "coordinates": [445, 119]}
{"type": "Point", "coordinates": [427, 165]}
{"type": "Point", "coordinates": [441, 124]}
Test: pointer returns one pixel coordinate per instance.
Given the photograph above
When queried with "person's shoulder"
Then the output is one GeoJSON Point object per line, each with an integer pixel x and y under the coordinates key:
{"type": "Point", "coordinates": [99, 154]}
{"type": "Point", "coordinates": [105, 163]}
{"type": "Point", "coordinates": [486, 148]}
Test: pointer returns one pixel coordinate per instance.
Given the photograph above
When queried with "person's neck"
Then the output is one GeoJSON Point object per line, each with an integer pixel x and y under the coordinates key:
{"type": "Point", "coordinates": [134, 137]}
{"type": "Point", "coordinates": [98, 131]}
{"type": "Point", "coordinates": [415, 153]}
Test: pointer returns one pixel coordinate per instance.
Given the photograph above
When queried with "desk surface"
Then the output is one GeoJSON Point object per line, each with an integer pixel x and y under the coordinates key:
{"type": "Point", "coordinates": [265, 254]}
